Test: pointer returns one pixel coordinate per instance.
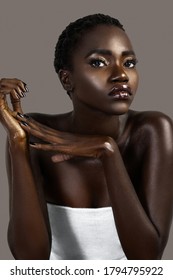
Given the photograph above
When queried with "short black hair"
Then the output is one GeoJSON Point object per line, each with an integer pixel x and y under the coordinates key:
{"type": "Point", "coordinates": [73, 33]}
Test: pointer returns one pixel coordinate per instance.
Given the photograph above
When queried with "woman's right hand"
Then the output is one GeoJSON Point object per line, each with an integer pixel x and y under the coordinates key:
{"type": "Point", "coordinates": [16, 89]}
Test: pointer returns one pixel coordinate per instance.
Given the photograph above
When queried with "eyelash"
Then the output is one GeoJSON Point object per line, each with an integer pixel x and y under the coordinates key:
{"type": "Point", "coordinates": [130, 61]}
{"type": "Point", "coordinates": [95, 60]}
{"type": "Point", "coordinates": [105, 63]}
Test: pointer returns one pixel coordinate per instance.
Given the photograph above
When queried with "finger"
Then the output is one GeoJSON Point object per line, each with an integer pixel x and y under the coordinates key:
{"type": "Point", "coordinates": [12, 91]}
{"type": "Point", "coordinates": [13, 83]}
{"type": "Point", "coordinates": [8, 85]}
{"type": "Point", "coordinates": [61, 157]}
{"type": "Point", "coordinates": [44, 132]}
{"type": "Point", "coordinates": [48, 147]}
{"type": "Point", "coordinates": [16, 104]}
{"type": "Point", "coordinates": [35, 132]}
{"type": "Point", "coordinates": [15, 93]}
{"type": "Point", "coordinates": [20, 92]}
{"type": "Point", "coordinates": [3, 103]}
{"type": "Point", "coordinates": [60, 149]}
{"type": "Point", "coordinates": [68, 150]}
{"type": "Point", "coordinates": [39, 130]}
{"type": "Point", "coordinates": [54, 138]}
{"type": "Point", "coordinates": [38, 126]}
{"type": "Point", "coordinates": [25, 87]}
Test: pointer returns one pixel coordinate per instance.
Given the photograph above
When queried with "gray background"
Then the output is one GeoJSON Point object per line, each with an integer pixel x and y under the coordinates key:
{"type": "Point", "coordinates": [28, 34]}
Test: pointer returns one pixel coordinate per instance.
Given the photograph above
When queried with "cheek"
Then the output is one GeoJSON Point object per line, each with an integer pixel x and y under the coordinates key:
{"type": "Point", "coordinates": [90, 82]}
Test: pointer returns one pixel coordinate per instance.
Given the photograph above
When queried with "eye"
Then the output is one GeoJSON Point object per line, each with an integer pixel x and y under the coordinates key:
{"type": "Point", "coordinates": [130, 63]}
{"type": "Point", "coordinates": [98, 63]}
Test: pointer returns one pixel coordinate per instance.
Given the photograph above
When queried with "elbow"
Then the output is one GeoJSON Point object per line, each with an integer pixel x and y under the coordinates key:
{"type": "Point", "coordinates": [152, 252]}
{"type": "Point", "coordinates": [21, 253]}
{"type": "Point", "coordinates": [150, 248]}
{"type": "Point", "coordinates": [37, 252]}
{"type": "Point", "coordinates": [154, 248]}
{"type": "Point", "coordinates": [157, 244]}
{"type": "Point", "coordinates": [27, 248]}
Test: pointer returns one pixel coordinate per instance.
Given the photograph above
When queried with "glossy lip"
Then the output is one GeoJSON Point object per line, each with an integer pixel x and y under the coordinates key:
{"type": "Point", "coordinates": [120, 92]}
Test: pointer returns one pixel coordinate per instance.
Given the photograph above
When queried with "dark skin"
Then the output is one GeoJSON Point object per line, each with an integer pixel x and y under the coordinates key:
{"type": "Point", "coordinates": [100, 154]}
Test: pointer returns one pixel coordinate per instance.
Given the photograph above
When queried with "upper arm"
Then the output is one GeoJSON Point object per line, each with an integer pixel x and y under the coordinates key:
{"type": "Point", "coordinates": [157, 174]}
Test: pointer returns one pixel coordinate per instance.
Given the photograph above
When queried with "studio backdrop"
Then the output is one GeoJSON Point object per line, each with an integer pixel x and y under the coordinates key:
{"type": "Point", "coordinates": [28, 33]}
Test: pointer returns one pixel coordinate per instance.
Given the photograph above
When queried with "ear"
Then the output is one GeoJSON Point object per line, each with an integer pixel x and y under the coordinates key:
{"type": "Point", "coordinates": [66, 79]}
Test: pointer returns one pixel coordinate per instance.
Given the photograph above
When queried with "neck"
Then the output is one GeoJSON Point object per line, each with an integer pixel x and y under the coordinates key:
{"type": "Point", "coordinates": [94, 122]}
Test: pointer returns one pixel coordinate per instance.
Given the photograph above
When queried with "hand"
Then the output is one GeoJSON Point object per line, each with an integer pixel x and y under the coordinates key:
{"type": "Point", "coordinates": [66, 144]}
{"type": "Point", "coordinates": [16, 89]}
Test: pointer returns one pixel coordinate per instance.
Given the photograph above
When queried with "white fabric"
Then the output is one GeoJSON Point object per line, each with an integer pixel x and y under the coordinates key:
{"type": "Point", "coordinates": [84, 234]}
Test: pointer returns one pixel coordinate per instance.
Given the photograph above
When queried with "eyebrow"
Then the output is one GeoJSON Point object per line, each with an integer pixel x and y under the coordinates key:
{"type": "Point", "coordinates": [108, 52]}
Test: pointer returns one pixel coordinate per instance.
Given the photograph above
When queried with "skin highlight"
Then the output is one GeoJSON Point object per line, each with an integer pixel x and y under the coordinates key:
{"type": "Point", "coordinates": [100, 154]}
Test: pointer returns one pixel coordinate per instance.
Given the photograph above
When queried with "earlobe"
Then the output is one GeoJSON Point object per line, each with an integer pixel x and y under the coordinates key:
{"type": "Point", "coordinates": [66, 80]}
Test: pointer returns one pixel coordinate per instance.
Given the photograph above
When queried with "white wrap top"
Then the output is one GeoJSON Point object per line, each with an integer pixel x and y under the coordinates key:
{"type": "Point", "coordinates": [84, 234]}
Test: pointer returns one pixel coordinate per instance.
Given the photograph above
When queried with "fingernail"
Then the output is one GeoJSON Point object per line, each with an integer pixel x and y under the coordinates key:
{"type": "Point", "coordinates": [32, 143]}
{"type": "Point", "coordinates": [20, 115]}
{"type": "Point", "coordinates": [22, 93]}
{"type": "Point", "coordinates": [24, 123]}
{"type": "Point", "coordinates": [26, 116]}
{"type": "Point", "coordinates": [25, 85]}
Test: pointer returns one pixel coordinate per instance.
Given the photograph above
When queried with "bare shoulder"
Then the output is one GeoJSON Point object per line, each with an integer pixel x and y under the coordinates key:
{"type": "Point", "coordinates": [151, 123]}
{"type": "Point", "coordinates": [151, 129]}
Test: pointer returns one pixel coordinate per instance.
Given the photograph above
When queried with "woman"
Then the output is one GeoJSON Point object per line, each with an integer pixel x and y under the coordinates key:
{"type": "Point", "coordinates": [94, 183]}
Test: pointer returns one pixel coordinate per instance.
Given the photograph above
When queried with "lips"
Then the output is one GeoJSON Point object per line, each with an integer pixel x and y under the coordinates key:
{"type": "Point", "coordinates": [120, 92]}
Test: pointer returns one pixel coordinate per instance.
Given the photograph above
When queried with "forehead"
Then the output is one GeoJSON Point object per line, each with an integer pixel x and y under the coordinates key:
{"type": "Point", "coordinates": [105, 37]}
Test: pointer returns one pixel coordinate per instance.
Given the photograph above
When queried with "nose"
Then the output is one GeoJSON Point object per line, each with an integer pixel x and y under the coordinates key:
{"type": "Point", "coordinates": [119, 75]}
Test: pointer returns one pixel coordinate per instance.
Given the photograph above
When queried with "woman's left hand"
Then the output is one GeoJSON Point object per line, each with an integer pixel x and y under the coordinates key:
{"type": "Point", "coordinates": [67, 145]}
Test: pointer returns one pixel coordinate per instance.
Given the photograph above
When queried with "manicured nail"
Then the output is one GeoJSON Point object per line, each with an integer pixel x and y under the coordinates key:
{"type": "Point", "coordinates": [20, 115]}
{"type": "Point", "coordinates": [22, 94]}
{"type": "Point", "coordinates": [24, 123]}
{"type": "Point", "coordinates": [32, 143]}
{"type": "Point", "coordinates": [25, 85]}
{"type": "Point", "coordinates": [26, 116]}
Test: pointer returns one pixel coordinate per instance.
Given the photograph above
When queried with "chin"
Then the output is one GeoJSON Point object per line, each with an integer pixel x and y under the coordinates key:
{"type": "Point", "coordinates": [119, 109]}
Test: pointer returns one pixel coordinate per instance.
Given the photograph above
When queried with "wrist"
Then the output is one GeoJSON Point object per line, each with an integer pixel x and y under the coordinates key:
{"type": "Point", "coordinates": [110, 148]}
{"type": "Point", "coordinates": [17, 145]}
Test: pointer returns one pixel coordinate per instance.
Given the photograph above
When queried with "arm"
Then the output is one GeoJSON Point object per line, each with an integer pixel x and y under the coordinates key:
{"type": "Point", "coordinates": [27, 233]}
{"type": "Point", "coordinates": [142, 220]}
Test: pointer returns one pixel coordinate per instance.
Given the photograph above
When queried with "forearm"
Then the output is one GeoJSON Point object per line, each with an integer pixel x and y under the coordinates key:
{"type": "Point", "coordinates": [27, 234]}
{"type": "Point", "coordinates": [138, 235]}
